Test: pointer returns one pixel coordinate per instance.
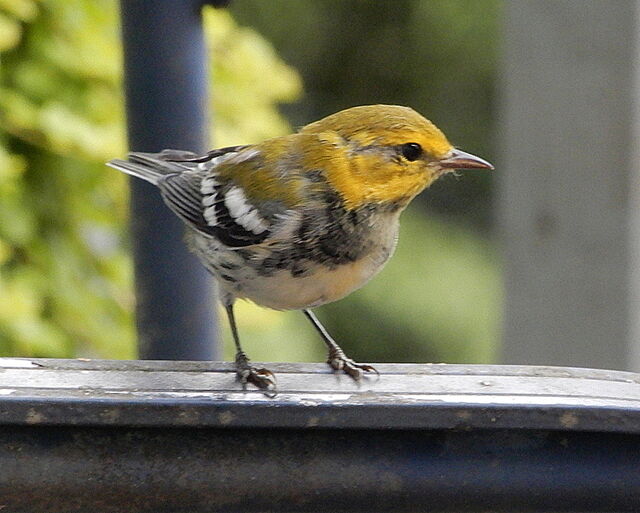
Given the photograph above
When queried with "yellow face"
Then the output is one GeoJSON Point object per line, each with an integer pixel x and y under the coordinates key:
{"type": "Point", "coordinates": [388, 153]}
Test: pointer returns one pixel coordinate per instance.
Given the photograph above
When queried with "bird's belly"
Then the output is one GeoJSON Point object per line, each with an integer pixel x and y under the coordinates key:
{"type": "Point", "coordinates": [284, 291]}
{"type": "Point", "coordinates": [289, 283]}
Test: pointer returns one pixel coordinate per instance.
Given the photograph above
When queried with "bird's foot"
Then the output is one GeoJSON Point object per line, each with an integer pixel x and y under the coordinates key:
{"type": "Point", "coordinates": [263, 378]}
{"type": "Point", "coordinates": [341, 362]}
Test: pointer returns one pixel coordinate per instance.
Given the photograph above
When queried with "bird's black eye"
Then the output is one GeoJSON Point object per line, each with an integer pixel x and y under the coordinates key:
{"type": "Point", "coordinates": [411, 151]}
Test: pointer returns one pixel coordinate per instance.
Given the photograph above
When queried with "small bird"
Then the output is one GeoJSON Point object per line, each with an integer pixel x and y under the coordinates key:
{"type": "Point", "coordinates": [302, 220]}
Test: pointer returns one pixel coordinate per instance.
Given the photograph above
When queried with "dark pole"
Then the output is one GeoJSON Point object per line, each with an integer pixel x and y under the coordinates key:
{"type": "Point", "coordinates": [166, 99]}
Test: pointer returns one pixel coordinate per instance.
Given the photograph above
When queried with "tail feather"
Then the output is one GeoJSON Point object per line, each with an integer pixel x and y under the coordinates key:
{"type": "Point", "coordinates": [148, 166]}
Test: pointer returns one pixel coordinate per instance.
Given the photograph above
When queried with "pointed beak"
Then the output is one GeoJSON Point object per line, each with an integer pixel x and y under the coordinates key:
{"type": "Point", "coordinates": [458, 159]}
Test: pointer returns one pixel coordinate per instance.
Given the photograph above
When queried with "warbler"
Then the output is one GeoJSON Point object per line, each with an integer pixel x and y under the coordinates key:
{"type": "Point", "coordinates": [302, 220]}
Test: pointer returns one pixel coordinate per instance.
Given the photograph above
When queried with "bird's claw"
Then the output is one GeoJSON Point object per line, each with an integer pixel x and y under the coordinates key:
{"type": "Point", "coordinates": [341, 362]}
{"type": "Point", "coordinates": [262, 378]}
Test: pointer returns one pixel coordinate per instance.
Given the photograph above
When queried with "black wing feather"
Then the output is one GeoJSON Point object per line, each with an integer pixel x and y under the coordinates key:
{"type": "Point", "coordinates": [231, 233]}
{"type": "Point", "coordinates": [181, 193]}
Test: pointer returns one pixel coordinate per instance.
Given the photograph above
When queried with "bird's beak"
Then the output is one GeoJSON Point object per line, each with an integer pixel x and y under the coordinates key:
{"type": "Point", "coordinates": [458, 159]}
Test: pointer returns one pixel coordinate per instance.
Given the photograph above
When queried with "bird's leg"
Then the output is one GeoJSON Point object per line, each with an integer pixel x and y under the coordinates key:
{"type": "Point", "coordinates": [246, 373]}
{"type": "Point", "coordinates": [337, 358]}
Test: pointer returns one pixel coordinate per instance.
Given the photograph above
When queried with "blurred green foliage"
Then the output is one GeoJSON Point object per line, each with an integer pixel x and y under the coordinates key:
{"type": "Point", "coordinates": [65, 269]}
{"type": "Point", "coordinates": [65, 274]}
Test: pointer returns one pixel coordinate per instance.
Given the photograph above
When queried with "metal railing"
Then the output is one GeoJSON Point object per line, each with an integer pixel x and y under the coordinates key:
{"type": "Point", "coordinates": [183, 437]}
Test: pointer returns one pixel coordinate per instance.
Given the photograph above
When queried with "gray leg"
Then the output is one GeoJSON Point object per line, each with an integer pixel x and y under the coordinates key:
{"type": "Point", "coordinates": [262, 378]}
{"type": "Point", "coordinates": [337, 359]}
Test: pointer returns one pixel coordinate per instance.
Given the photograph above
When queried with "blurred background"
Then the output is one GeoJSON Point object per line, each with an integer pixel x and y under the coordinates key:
{"type": "Point", "coordinates": [66, 285]}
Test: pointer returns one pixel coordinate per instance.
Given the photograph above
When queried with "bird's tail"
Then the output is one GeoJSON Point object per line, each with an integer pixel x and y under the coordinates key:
{"type": "Point", "coordinates": [151, 166]}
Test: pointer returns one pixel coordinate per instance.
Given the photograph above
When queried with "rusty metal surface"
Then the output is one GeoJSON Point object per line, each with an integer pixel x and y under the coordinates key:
{"type": "Point", "coordinates": [138, 393]}
{"type": "Point", "coordinates": [114, 436]}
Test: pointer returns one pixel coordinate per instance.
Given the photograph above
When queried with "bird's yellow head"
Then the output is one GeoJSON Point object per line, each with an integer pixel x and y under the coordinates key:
{"type": "Point", "coordinates": [383, 154]}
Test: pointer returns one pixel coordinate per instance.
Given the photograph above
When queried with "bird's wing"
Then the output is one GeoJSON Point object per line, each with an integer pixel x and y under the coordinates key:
{"type": "Point", "coordinates": [215, 204]}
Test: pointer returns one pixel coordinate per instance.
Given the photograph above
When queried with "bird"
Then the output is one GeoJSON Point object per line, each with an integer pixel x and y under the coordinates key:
{"type": "Point", "coordinates": [301, 220]}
